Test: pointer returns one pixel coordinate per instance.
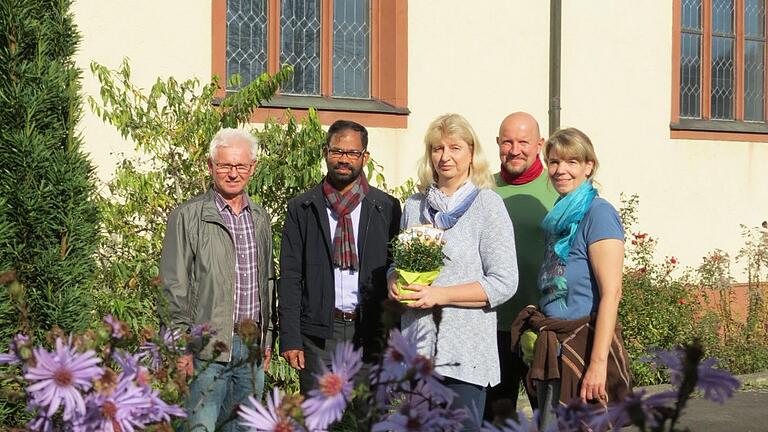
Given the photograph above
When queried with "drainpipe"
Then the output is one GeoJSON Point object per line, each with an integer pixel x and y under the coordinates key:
{"type": "Point", "coordinates": [555, 19]}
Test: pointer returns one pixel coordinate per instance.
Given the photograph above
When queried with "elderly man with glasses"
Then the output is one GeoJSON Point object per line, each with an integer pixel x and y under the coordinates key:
{"type": "Point", "coordinates": [216, 270]}
{"type": "Point", "coordinates": [333, 259]}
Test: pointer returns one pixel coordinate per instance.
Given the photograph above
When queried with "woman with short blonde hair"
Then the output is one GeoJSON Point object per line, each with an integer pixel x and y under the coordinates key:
{"type": "Point", "coordinates": [579, 353]}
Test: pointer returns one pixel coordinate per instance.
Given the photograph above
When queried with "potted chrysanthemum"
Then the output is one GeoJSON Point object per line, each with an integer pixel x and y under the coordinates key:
{"type": "Point", "coordinates": [418, 255]}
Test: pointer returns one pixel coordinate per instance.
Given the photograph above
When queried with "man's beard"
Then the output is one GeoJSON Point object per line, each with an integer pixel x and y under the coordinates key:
{"type": "Point", "coordinates": [515, 170]}
{"type": "Point", "coordinates": [340, 180]}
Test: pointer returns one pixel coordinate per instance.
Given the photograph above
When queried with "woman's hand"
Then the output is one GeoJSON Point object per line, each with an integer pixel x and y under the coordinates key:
{"type": "Point", "coordinates": [593, 385]}
{"type": "Point", "coordinates": [392, 291]}
{"type": "Point", "coordinates": [424, 296]}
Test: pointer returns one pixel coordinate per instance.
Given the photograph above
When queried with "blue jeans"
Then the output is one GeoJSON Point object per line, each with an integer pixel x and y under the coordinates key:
{"type": "Point", "coordinates": [548, 393]}
{"type": "Point", "coordinates": [219, 388]}
{"type": "Point", "coordinates": [468, 396]}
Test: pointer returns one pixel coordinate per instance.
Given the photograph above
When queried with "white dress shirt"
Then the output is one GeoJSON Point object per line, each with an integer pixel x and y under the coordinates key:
{"type": "Point", "coordinates": [345, 281]}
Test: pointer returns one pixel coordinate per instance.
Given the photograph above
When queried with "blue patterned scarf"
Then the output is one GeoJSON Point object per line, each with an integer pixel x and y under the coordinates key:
{"type": "Point", "coordinates": [443, 210]}
{"type": "Point", "coordinates": [562, 221]}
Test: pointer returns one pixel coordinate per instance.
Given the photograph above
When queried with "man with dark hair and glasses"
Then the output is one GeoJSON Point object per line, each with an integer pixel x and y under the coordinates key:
{"type": "Point", "coordinates": [334, 258]}
{"type": "Point", "coordinates": [216, 269]}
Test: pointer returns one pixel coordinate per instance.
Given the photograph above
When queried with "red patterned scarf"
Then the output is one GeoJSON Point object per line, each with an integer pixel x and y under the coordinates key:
{"type": "Point", "coordinates": [529, 175]}
{"type": "Point", "coordinates": [344, 251]}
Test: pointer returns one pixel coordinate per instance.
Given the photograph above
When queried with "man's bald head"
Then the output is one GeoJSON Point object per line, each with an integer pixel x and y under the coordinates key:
{"type": "Point", "coordinates": [520, 119]}
{"type": "Point", "coordinates": [519, 141]}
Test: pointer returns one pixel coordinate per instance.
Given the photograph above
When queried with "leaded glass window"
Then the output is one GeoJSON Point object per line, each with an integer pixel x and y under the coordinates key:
{"type": "Point", "coordinates": [754, 60]}
{"type": "Point", "coordinates": [723, 41]}
{"type": "Point", "coordinates": [351, 48]}
{"type": "Point", "coordinates": [690, 60]}
{"type": "Point", "coordinates": [246, 39]}
{"type": "Point", "coordinates": [327, 42]}
{"type": "Point", "coordinates": [300, 45]}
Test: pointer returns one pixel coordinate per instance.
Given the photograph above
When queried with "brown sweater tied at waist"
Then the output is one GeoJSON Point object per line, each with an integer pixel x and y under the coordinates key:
{"type": "Point", "coordinates": [574, 338]}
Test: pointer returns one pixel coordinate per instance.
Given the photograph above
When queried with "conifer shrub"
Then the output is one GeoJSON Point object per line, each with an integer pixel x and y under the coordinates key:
{"type": "Point", "coordinates": [49, 218]}
{"type": "Point", "coordinates": [48, 214]}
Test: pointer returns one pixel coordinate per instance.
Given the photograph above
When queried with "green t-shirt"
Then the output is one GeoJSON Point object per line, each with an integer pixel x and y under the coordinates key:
{"type": "Point", "coordinates": [527, 205]}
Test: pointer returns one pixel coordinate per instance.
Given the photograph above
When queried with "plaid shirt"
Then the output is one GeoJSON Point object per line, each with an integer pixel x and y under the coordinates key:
{"type": "Point", "coordinates": [241, 230]}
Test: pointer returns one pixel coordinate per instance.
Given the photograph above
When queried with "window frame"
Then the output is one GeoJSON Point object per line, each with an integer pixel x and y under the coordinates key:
{"type": "Point", "coordinates": [707, 128]}
{"type": "Point", "coordinates": [388, 105]}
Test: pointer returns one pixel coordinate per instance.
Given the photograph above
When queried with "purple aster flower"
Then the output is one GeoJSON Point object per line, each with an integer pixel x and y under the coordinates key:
{"type": "Point", "coordinates": [398, 356]}
{"type": "Point", "coordinates": [672, 360]}
{"type": "Point", "coordinates": [417, 413]}
{"type": "Point", "coordinates": [119, 328]}
{"type": "Point", "coordinates": [41, 423]}
{"type": "Point", "coordinates": [433, 387]}
{"type": "Point", "coordinates": [118, 411]}
{"type": "Point", "coordinates": [326, 404]}
{"type": "Point", "coordinates": [13, 356]}
{"type": "Point", "coordinates": [127, 407]}
{"type": "Point", "coordinates": [510, 425]}
{"type": "Point", "coordinates": [158, 409]}
{"type": "Point", "coordinates": [128, 362]}
{"type": "Point", "coordinates": [402, 362]}
{"type": "Point", "coordinates": [152, 351]}
{"type": "Point", "coordinates": [171, 338]}
{"type": "Point", "coordinates": [9, 358]}
{"type": "Point", "coordinates": [202, 330]}
{"type": "Point", "coordinates": [636, 409]}
{"type": "Point", "coordinates": [58, 378]}
{"type": "Point", "coordinates": [260, 418]}
{"type": "Point", "coordinates": [717, 384]}
{"type": "Point", "coordinates": [168, 338]}
{"type": "Point", "coordinates": [575, 416]}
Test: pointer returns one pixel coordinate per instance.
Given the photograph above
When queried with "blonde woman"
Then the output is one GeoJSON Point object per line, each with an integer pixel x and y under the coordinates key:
{"type": "Point", "coordinates": [480, 271]}
{"type": "Point", "coordinates": [579, 353]}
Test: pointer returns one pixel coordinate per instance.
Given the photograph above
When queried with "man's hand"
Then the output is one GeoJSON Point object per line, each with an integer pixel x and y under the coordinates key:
{"type": "Point", "coordinates": [295, 358]}
{"type": "Point", "coordinates": [185, 365]}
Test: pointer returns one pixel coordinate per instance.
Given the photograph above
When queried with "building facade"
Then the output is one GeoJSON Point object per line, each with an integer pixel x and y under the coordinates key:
{"type": "Point", "coordinates": [672, 95]}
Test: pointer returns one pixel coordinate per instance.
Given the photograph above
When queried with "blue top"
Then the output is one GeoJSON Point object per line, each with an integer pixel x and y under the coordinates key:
{"type": "Point", "coordinates": [600, 222]}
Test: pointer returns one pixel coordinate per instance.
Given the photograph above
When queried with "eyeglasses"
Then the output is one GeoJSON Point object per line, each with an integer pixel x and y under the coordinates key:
{"type": "Point", "coordinates": [223, 168]}
{"type": "Point", "coordinates": [351, 154]}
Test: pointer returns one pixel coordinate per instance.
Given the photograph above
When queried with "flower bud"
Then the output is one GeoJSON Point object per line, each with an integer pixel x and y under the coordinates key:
{"type": "Point", "coordinates": [25, 352]}
{"type": "Point", "coordinates": [7, 277]}
{"type": "Point", "coordinates": [15, 290]}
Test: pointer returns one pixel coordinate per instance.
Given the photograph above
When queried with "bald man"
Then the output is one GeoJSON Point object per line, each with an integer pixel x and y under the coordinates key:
{"type": "Point", "coordinates": [522, 184]}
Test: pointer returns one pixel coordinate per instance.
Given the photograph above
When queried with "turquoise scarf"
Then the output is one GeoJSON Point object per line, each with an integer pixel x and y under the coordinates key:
{"type": "Point", "coordinates": [563, 220]}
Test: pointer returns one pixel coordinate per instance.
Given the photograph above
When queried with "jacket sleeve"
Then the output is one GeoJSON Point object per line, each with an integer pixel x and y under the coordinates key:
{"type": "Point", "coordinates": [497, 251]}
{"type": "Point", "coordinates": [394, 228]}
{"type": "Point", "coordinates": [175, 264]}
{"type": "Point", "coordinates": [272, 324]}
{"type": "Point", "coordinates": [289, 288]}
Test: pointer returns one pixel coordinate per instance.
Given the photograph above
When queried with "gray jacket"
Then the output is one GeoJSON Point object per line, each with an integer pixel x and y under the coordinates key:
{"type": "Point", "coordinates": [197, 269]}
{"type": "Point", "coordinates": [480, 248]}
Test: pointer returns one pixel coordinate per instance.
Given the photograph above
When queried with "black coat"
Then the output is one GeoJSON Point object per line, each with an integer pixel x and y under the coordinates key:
{"type": "Point", "coordinates": [306, 295]}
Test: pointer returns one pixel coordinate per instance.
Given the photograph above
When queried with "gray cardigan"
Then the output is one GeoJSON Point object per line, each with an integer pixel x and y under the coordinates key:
{"type": "Point", "coordinates": [480, 248]}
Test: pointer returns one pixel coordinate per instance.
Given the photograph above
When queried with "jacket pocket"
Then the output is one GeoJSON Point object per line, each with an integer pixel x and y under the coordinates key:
{"type": "Point", "coordinates": [313, 294]}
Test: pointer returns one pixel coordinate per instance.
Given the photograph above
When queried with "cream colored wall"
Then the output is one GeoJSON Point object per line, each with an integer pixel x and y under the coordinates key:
{"type": "Point", "coordinates": [161, 39]}
{"type": "Point", "coordinates": [616, 87]}
{"type": "Point", "coordinates": [481, 62]}
{"type": "Point", "coordinates": [484, 60]}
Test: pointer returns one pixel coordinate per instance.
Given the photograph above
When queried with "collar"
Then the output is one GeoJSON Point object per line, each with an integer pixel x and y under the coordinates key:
{"type": "Point", "coordinates": [221, 203]}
